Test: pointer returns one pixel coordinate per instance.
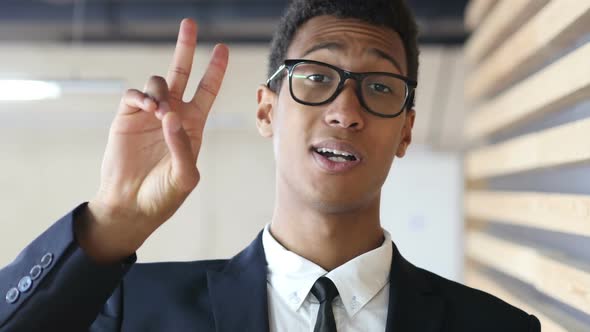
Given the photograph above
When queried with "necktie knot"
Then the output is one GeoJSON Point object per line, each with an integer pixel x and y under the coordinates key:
{"type": "Point", "coordinates": [324, 290]}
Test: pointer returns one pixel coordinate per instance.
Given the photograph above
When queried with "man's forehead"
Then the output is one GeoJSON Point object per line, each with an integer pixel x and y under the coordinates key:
{"type": "Point", "coordinates": [342, 47]}
{"type": "Point", "coordinates": [338, 34]}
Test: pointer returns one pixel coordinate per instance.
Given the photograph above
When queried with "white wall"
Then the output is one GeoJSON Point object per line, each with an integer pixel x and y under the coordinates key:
{"type": "Point", "coordinates": [421, 207]}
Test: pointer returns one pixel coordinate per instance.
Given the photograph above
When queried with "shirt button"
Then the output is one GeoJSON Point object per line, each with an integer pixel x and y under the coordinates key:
{"type": "Point", "coordinates": [25, 284]}
{"type": "Point", "coordinates": [35, 272]}
{"type": "Point", "coordinates": [12, 295]}
{"type": "Point", "coordinates": [354, 303]}
{"type": "Point", "coordinates": [294, 298]}
{"type": "Point", "coordinates": [46, 260]}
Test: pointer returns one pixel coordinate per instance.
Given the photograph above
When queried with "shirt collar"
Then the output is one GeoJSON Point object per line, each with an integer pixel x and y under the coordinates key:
{"type": "Point", "coordinates": [357, 281]}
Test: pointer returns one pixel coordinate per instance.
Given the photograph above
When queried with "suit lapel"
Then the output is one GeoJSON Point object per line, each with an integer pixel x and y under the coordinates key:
{"type": "Point", "coordinates": [238, 295]}
{"type": "Point", "coordinates": [413, 303]}
{"type": "Point", "coordinates": [238, 292]}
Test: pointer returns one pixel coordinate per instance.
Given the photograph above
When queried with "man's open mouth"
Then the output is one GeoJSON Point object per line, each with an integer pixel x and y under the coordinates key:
{"type": "Point", "coordinates": [336, 155]}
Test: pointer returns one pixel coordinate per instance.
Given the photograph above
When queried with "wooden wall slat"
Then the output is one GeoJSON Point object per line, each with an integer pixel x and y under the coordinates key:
{"type": "Point", "coordinates": [503, 19]}
{"type": "Point", "coordinates": [479, 280]}
{"type": "Point", "coordinates": [557, 86]}
{"type": "Point", "coordinates": [558, 146]}
{"type": "Point", "coordinates": [549, 211]}
{"type": "Point", "coordinates": [517, 261]}
{"type": "Point", "coordinates": [556, 277]}
{"type": "Point", "coordinates": [508, 87]}
{"type": "Point", "coordinates": [558, 24]}
{"type": "Point", "coordinates": [476, 11]}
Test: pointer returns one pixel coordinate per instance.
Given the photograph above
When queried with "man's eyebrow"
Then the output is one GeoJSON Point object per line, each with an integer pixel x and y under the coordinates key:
{"type": "Point", "coordinates": [326, 45]}
{"type": "Point", "coordinates": [387, 57]}
{"type": "Point", "coordinates": [338, 46]}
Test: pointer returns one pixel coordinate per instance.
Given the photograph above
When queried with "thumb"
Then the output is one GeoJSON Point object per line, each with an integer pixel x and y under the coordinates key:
{"type": "Point", "coordinates": [184, 173]}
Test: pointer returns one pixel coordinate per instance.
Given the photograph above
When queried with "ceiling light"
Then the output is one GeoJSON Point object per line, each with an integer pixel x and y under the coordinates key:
{"type": "Point", "coordinates": [22, 90]}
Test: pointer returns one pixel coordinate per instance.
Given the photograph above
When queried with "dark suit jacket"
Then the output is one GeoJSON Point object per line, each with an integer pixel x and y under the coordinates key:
{"type": "Point", "coordinates": [74, 294]}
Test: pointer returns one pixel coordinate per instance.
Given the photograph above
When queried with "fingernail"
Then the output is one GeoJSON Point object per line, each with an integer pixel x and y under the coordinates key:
{"type": "Point", "coordinates": [165, 107]}
{"type": "Point", "coordinates": [147, 102]}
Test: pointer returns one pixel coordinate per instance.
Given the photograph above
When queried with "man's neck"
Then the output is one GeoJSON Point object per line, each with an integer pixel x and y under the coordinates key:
{"type": "Point", "coordinates": [327, 239]}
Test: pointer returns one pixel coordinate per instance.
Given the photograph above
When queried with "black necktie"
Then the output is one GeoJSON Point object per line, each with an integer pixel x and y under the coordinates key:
{"type": "Point", "coordinates": [325, 291]}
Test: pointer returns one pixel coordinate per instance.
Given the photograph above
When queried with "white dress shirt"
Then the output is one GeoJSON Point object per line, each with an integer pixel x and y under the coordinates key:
{"type": "Point", "coordinates": [362, 283]}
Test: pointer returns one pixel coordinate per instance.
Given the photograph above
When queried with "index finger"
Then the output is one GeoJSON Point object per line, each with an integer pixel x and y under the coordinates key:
{"type": "Point", "coordinates": [182, 60]}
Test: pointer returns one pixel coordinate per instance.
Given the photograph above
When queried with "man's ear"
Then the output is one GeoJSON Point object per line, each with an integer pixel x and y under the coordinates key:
{"type": "Point", "coordinates": [406, 134]}
{"type": "Point", "coordinates": [266, 101]}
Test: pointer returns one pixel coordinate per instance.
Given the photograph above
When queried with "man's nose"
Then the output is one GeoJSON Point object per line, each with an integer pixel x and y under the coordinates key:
{"type": "Point", "coordinates": [346, 110]}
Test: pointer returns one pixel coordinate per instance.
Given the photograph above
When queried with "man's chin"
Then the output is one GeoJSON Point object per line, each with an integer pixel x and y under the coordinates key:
{"type": "Point", "coordinates": [338, 204]}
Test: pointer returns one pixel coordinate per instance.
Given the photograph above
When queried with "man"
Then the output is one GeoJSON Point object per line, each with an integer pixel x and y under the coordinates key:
{"type": "Point", "coordinates": [338, 106]}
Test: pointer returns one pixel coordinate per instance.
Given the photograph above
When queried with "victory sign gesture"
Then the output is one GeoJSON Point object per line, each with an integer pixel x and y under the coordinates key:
{"type": "Point", "coordinates": [149, 166]}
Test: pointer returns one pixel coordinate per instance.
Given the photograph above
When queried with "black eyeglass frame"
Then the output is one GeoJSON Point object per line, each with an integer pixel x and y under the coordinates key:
{"type": "Point", "coordinates": [290, 64]}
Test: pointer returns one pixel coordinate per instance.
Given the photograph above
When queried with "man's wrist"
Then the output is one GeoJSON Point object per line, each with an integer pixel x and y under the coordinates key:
{"type": "Point", "coordinates": [102, 235]}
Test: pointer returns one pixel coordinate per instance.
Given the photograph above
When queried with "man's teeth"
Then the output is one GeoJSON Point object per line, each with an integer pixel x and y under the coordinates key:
{"type": "Point", "coordinates": [338, 159]}
{"type": "Point", "coordinates": [333, 151]}
{"type": "Point", "coordinates": [336, 155]}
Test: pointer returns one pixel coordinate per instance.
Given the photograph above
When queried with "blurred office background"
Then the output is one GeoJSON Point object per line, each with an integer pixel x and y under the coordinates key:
{"type": "Point", "coordinates": [492, 193]}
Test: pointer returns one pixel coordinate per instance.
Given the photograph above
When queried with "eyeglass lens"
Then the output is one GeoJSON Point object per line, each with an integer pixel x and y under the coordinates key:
{"type": "Point", "coordinates": [313, 83]}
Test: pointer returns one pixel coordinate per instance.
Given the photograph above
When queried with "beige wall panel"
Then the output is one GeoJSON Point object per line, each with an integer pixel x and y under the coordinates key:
{"type": "Point", "coordinates": [557, 86]}
{"type": "Point", "coordinates": [554, 212]}
{"type": "Point", "coordinates": [479, 280]}
{"type": "Point", "coordinates": [557, 146]}
{"type": "Point", "coordinates": [555, 276]}
{"type": "Point", "coordinates": [502, 20]}
{"type": "Point", "coordinates": [476, 12]}
{"type": "Point", "coordinates": [536, 42]}
{"type": "Point", "coordinates": [552, 320]}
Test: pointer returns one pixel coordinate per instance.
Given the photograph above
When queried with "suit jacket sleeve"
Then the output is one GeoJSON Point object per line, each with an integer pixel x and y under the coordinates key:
{"type": "Point", "coordinates": [53, 286]}
{"type": "Point", "coordinates": [534, 324]}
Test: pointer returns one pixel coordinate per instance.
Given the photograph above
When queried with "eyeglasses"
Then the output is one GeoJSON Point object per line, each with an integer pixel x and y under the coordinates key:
{"type": "Point", "coordinates": [316, 83]}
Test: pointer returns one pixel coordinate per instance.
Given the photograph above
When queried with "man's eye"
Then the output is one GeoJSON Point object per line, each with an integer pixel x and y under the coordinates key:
{"type": "Point", "coordinates": [381, 88]}
{"type": "Point", "coordinates": [319, 78]}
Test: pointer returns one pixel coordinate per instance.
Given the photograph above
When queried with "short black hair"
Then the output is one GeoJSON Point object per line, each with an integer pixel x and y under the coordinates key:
{"type": "Point", "coordinates": [393, 14]}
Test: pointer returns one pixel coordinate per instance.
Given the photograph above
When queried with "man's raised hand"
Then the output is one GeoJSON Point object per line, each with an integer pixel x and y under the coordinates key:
{"type": "Point", "coordinates": [149, 166]}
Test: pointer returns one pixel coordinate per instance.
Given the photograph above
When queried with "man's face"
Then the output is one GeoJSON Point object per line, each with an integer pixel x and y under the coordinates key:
{"type": "Point", "coordinates": [298, 130]}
